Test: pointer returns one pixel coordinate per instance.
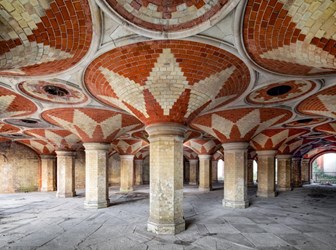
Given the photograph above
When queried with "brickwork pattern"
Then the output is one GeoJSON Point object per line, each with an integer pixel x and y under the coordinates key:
{"type": "Point", "coordinates": [271, 139]}
{"type": "Point", "coordinates": [322, 103]}
{"type": "Point", "coordinates": [92, 125]}
{"type": "Point", "coordinates": [167, 16]}
{"type": "Point", "coordinates": [329, 128]}
{"type": "Point", "coordinates": [291, 37]}
{"type": "Point", "coordinates": [43, 37]}
{"type": "Point", "coordinates": [37, 89]}
{"type": "Point", "coordinates": [8, 129]}
{"type": "Point", "coordinates": [41, 147]}
{"type": "Point", "coordinates": [202, 146]}
{"type": "Point", "coordinates": [60, 139]}
{"type": "Point", "coordinates": [166, 81]}
{"type": "Point", "coordinates": [189, 153]}
{"type": "Point", "coordinates": [239, 124]}
{"type": "Point", "coordinates": [12, 104]}
{"type": "Point", "coordinates": [298, 89]}
{"type": "Point", "coordinates": [128, 146]}
{"type": "Point", "coordinates": [142, 154]}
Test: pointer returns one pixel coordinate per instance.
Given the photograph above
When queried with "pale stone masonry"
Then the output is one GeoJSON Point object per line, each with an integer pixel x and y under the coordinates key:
{"type": "Point", "coordinates": [48, 173]}
{"type": "Point", "coordinates": [138, 167]}
{"type": "Point", "coordinates": [250, 182]}
{"type": "Point", "coordinates": [193, 171]}
{"type": "Point", "coordinates": [126, 173]}
{"type": "Point", "coordinates": [235, 175]}
{"type": "Point", "coordinates": [305, 170]}
{"type": "Point", "coordinates": [204, 173]}
{"type": "Point", "coordinates": [65, 174]}
{"type": "Point", "coordinates": [296, 172]}
{"type": "Point", "coordinates": [96, 183]}
{"type": "Point", "coordinates": [284, 172]}
{"type": "Point", "coordinates": [166, 178]}
{"type": "Point", "coordinates": [214, 170]}
{"type": "Point", "coordinates": [266, 173]}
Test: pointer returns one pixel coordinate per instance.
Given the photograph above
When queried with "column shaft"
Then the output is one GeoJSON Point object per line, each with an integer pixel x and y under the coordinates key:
{"type": "Point", "coordinates": [204, 173]}
{"type": "Point", "coordinates": [235, 175]}
{"type": "Point", "coordinates": [166, 178]}
{"type": "Point", "coordinates": [296, 172]}
{"type": "Point", "coordinates": [266, 173]}
{"type": "Point", "coordinates": [214, 170]}
{"type": "Point", "coordinates": [138, 171]}
{"type": "Point", "coordinates": [96, 180]}
{"type": "Point", "coordinates": [193, 171]}
{"type": "Point", "coordinates": [65, 174]}
{"type": "Point", "coordinates": [305, 171]}
{"type": "Point", "coordinates": [126, 173]}
{"type": "Point", "coordinates": [284, 172]}
{"type": "Point", "coordinates": [250, 182]}
{"type": "Point", "coordinates": [48, 167]}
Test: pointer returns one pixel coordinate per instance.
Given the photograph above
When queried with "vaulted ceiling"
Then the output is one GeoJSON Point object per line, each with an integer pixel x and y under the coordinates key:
{"type": "Point", "coordinates": [74, 71]}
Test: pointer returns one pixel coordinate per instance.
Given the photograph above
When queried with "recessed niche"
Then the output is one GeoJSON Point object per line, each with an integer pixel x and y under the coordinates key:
{"type": "Point", "coordinates": [279, 90]}
{"type": "Point", "coordinates": [55, 90]}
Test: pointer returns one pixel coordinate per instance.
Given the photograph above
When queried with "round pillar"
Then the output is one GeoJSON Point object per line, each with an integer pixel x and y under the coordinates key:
{"type": "Point", "coordinates": [65, 174]}
{"type": "Point", "coordinates": [284, 172]}
{"type": "Point", "coordinates": [126, 173]}
{"type": "Point", "coordinates": [266, 173]}
{"type": "Point", "coordinates": [48, 171]}
{"type": "Point", "coordinates": [205, 178]}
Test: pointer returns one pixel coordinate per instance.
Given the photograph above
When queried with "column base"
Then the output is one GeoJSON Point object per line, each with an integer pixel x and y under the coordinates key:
{"type": "Point", "coordinates": [204, 189]}
{"type": "Point", "coordinates": [235, 204]}
{"type": "Point", "coordinates": [266, 194]}
{"type": "Point", "coordinates": [192, 183]}
{"type": "Point", "coordinates": [166, 228]}
{"type": "Point", "coordinates": [96, 205]}
{"type": "Point", "coordinates": [65, 195]}
{"type": "Point", "coordinates": [47, 189]}
{"type": "Point", "coordinates": [126, 190]}
{"type": "Point", "coordinates": [284, 189]}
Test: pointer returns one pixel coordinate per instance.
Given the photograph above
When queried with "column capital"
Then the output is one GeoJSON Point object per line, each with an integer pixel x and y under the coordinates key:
{"type": "Point", "coordinates": [193, 160]}
{"type": "Point", "coordinates": [138, 160]}
{"type": "Point", "coordinates": [96, 146]}
{"type": "Point", "coordinates": [287, 156]}
{"type": "Point", "coordinates": [233, 146]}
{"type": "Point", "coordinates": [166, 129]}
{"type": "Point", "coordinates": [65, 153]}
{"type": "Point", "coordinates": [204, 157]}
{"type": "Point", "coordinates": [48, 157]}
{"type": "Point", "coordinates": [266, 152]}
{"type": "Point", "coordinates": [127, 157]}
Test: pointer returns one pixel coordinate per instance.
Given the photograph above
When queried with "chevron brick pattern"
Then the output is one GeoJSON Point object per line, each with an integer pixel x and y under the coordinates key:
{"type": "Point", "coordinates": [166, 81]}
{"type": "Point", "coordinates": [329, 128]}
{"type": "Point", "coordinates": [8, 129]}
{"type": "Point", "coordinates": [129, 146]}
{"type": "Point", "coordinates": [163, 15]}
{"type": "Point", "coordinates": [189, 153]}
{"type": "Point", "coordinates": [239, 125]}
{"type": "Point", "coordinates": [43, 37]}
{"type": "Point", "coordinates": [271, 139]}
{"type": "Point", "coordinates": [322, 103]}
{"type": "Point", "coordinates": [12, 104]}
{"type": "Point", "coordinates": [202, 146]}
{"type": "Point", "coordinates": [60, 139]}
{"type": "Point", "coordinates": [39, 146]}
{"type": "Point", "coordinates": [92, 125]}
{"type": "Point", "coordinates": [291, 37]}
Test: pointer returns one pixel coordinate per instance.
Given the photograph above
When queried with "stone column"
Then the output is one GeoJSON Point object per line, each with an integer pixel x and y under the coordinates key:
{"type": "Point", "coordinates": [138, 165]}
{"type": "Point", "coordinates": [204, 173]}
{"type": "Point", "coordinates": [235, 175]}
{"type": "Point", "coordinates": [65, 174]}
{"type": "Point", "coordinates": [193, 171]}
{"type": "Point", "coordinates": [126, 173]}
{"type": "Point", "coordinates": [305, 171]}
{"type": "Point", "coordinates": [96, 179]}
{"type": "Point", "coordinates": [266, 173]}
{"type": "Point", "coordinates": [250, 182]}
{"type": "Point", "coordinates": [284, 172]}
{"type": "Point", "coordinates": [214, 171]}
{"type": "Point", "coordinates": [166, 178]}
{"type": "Point", "coordinates": [296, 172]}
{"type": "Point", "coordinates": [48, 166]}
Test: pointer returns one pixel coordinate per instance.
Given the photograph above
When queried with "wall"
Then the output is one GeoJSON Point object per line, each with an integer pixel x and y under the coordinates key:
{"type": "Point", "coordinates": [80, 169]}
{"type": "Point", "coordinates": [114, 170]}
{"type": "Point", "coordinates": [146, 170]}
{"type": "Point", "coordinates": [19, 169]}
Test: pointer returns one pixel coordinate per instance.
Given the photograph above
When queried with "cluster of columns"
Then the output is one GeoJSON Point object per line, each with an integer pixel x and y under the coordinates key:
{"type": "Point", "coordinates": [166, 175]}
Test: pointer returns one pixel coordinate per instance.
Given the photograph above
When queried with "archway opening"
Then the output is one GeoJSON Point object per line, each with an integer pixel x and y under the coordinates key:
{"type": "Point", "coordinates": [324, 169]}
{"type": "Point", "coordinates": [220, 170]}
{"type": "Point", "coordinates": [255, 171]}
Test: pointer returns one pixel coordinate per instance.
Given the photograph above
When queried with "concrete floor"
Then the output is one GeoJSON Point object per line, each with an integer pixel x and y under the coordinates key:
{"type": "Point", "coordinates": [299, 219]}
